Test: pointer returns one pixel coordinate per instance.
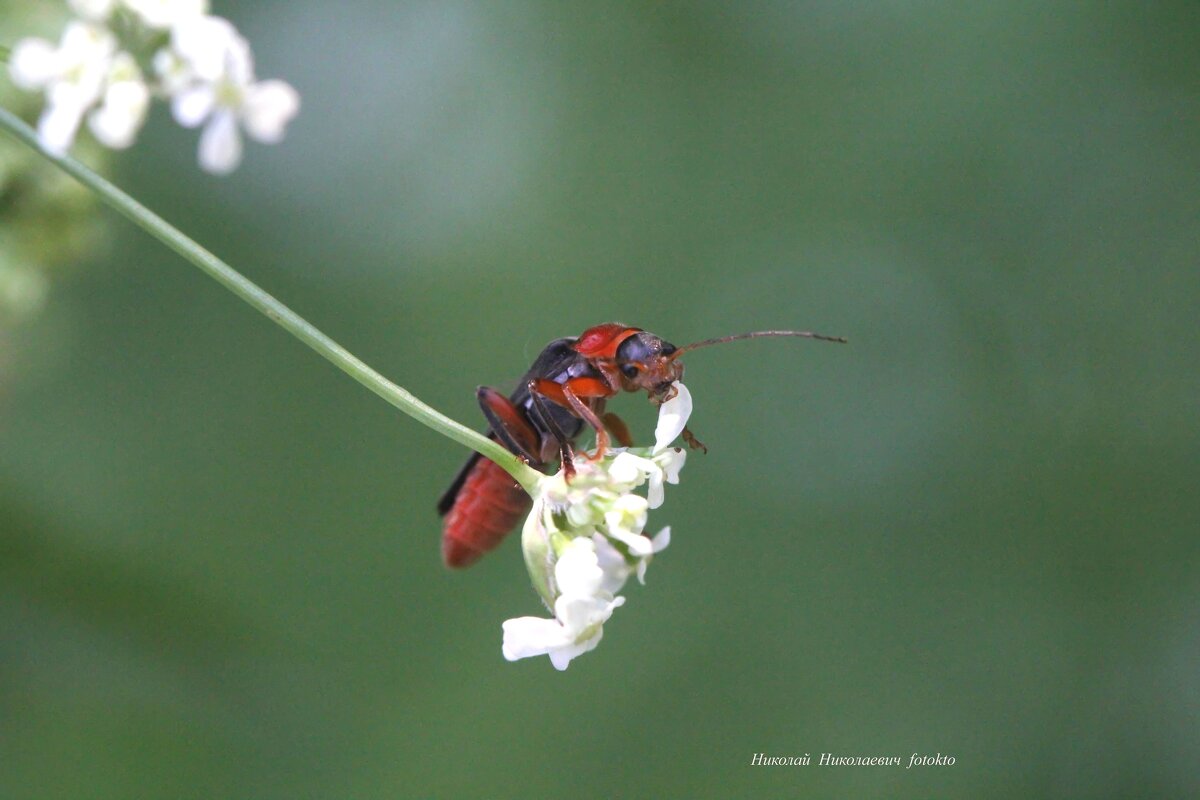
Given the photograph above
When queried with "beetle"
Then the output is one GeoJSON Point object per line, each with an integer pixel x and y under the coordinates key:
{"type": "Point", "coordinates": [564, 391]}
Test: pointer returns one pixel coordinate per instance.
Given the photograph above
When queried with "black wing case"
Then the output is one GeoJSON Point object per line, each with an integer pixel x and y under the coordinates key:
{"type": "Point", "coordinates": [556, 358]}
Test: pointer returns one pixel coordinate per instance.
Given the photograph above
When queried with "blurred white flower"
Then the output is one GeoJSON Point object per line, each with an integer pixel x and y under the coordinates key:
{"type": "Point", "coordinates": [122, 111]}
{"type": "Point", "coordinates": [163, 13]}
{"type": "Point", "coordinates": [596, 508]}
{"type": "Point", "coordinates": [203, 48]}
{"type": "Point", "coordinates": [72, 75]}
{"type": "Point", "coordinates": [93, 10]}
{"type": "Point", "coordinates": [232, 98]}
{"type": "Point", "coordinates": [580, 611]}
{"type": "Point", "coordinates": [205, 70]}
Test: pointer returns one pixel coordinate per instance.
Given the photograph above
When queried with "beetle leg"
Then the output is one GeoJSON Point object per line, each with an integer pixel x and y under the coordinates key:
{"type": "Point", "coordinates": [509, 424]}
{"type": "Point", "coordinates": [547, 419]}
{"type": "Point", "coordinates": [617, 427]}
{"type": "Point", "coordinates": [581, 408]}
{"type": "Point", "coordinates": [569, 394]}
{"type": "Point", "coordinates": [692, 441]}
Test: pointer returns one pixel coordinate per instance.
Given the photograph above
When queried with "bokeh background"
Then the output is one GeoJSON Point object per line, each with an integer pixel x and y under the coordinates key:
{"type": "Point", "coordinates": [971, 531]}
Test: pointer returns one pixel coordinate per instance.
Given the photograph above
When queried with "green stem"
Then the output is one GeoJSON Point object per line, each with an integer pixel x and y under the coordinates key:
{"type": "Point", "coordinates": [287, 319]}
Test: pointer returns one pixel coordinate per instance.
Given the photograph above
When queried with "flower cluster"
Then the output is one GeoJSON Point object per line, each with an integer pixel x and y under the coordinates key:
{"type": "Point", "coordinates": [48, 220]}
{"type": "Point", "coordinates": [584, 538]}
{"type": "Point", "coordinates": [118, 54]}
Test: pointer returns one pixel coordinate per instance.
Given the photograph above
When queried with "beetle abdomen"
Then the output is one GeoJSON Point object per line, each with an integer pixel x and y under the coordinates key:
{"type": "Point", "coordinates": [487, 506]}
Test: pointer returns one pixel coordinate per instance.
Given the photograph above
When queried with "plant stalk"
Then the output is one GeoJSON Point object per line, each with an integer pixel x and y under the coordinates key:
{"type": "Point", "coordinates": [283, 316]}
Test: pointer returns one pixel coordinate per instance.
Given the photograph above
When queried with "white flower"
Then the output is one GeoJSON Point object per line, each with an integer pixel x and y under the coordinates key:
{"type": "Point", "coordinates": [616, 565]}
{"type": "Point", "coordinates": [580, 611]}
{"type": "Point", "coordinates": [205, 71]}
{"type": "Point", "coordinates": [662, 466]}
{"type": "Point", "coordinates": [595, 509]}
{"type": "Point", "coordinates": [173, 72]}
{"type": "Point", "coordinates": [202, 48]}
{"type": "Point", "coordinates": [72, 76]}
{"type": "Point", "coordinates": [669, 463]}
{"type": "Point", "coordinates": [164, 13]}
{"type": "Point", "coordinates": [624, 521]}
{"type": "Point", "coordinates": [93, 10]}
{"type": "Point", "coordinates": [123, 109]}
{"type": "Point", "coordinates": [225, 93]}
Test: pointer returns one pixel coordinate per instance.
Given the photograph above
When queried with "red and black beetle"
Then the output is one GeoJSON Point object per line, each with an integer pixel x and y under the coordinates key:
{"type": "Point", "coordinates": [566, 388]}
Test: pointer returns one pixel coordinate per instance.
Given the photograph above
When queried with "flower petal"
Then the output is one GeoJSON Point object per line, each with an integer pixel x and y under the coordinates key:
{"type": "Point", "coordinates": [267, 109]}
{"type": "Point", "coordinates": [95, 10]}
{"type": "Point", "coordinates": [654, 492]}
{"type": "Point", "coordinates": [672, 460]}
{"type": "Point", "coordinates": [672, 417]}
{"type": "Point", "coordinates": [205, 44]}
{"type": "Point", "coordinates": [165, 13]}
{"type": "Point", "coordinates": [84, 42]}
{"type": "Point", "coordinates": [525, 637]}
{"type": "Point", "coordinates": [192, 106]}
{"type": "Point", "coordinates": [173, 72]}
{"type": "Point", "coordinates": [639, 546]}
{"type": "Point", "coordinates": [662, 539]}
{"type": "Point", "coordinates": [58, 125]}
{"type": "Point", "coordinates": [628, 512]}
{"type": "Point", "coordinates": [626, 468]}
{"type": "Point", "coordinates": [220, 144]}
{"type": "Point", "coordinates": [612, 562]}
{"type": "Point", "coordinates": [578, 572]}
{"type": "Point", "coordinates": [116, 123]}
{"type": "Point", "coordinates": [33, 63]}
{"type": "Point", "coordinates": [561, 657]}
{"type": "Point", "coordinates": [577, 613]}
{"type": "Point", "coordinates": [239, 62]}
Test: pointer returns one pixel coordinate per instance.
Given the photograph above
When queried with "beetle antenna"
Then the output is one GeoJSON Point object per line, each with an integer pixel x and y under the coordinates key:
{"type": "Point", "coordinates": [755, 335]}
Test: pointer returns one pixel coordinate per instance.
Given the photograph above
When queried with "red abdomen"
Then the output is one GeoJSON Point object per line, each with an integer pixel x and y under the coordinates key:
{"type": "Point", "coordinates": [487, 506]}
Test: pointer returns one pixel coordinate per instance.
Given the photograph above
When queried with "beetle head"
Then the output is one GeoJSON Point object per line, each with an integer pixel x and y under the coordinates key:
{"type": "Point", "coordinates": [647, 363]}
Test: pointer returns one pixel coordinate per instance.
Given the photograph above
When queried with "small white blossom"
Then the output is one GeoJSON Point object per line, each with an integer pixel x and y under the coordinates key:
{"type": "Point", "coordinates": [580, 611]}
{"type": "Point", "coordinates": [93, 10]}
{"type": "Point", "coordinates": [34, 63]}
{"type": "Point", "coordinates": [232, 98]}
{"type": "Point", "coordinates": [595, 508]}
{"type": "Point", "coordinates": [616, 566]}
{"type": "Point", "coordinates": [72, 76]}
{"type": "Point", "coordinates": [122, 111]}
{"type": "Point", "coordinates": [205, 70]}
{"type": "Point", "coordinates": [166, 13]}
{"type": "Point", "coordinates": [204, 47]}
{"type": "Point", "coordinates": [663, 465]}
{"type": "Point", "coordinates": [624, 522]}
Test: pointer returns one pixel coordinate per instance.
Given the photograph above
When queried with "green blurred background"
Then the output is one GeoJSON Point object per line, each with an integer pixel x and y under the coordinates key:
{"type": "Point", "coordinates": [971, 531]}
